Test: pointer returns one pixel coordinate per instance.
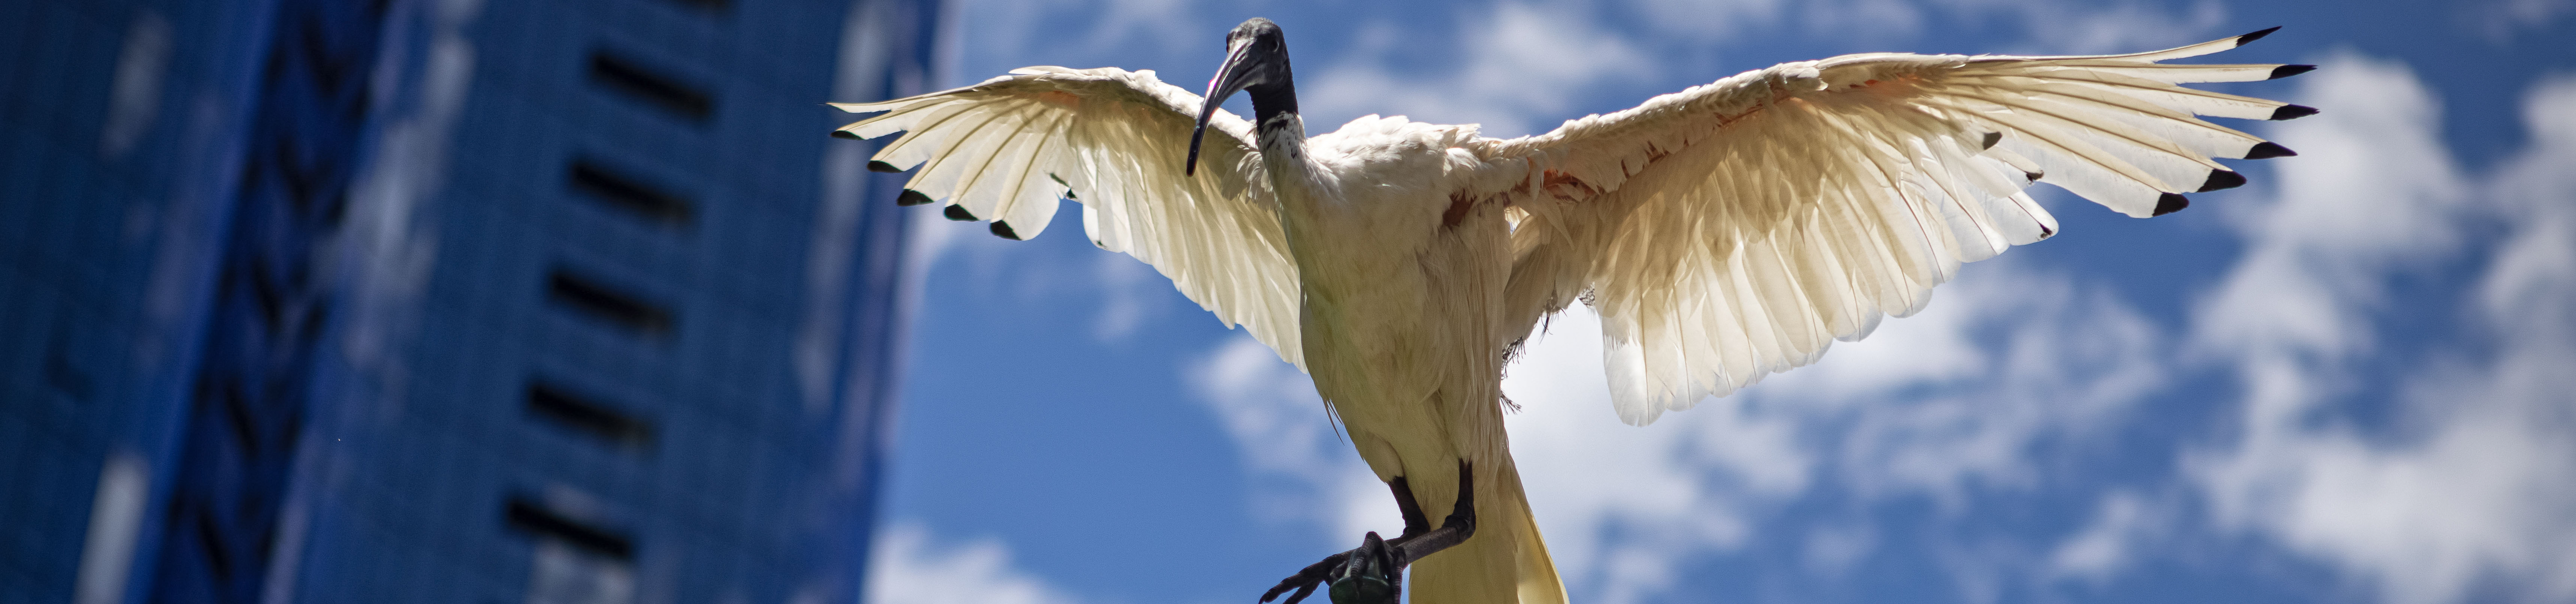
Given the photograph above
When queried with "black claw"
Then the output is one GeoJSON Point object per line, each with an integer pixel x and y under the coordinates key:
{"type": "Point", "coordinates": [2170, 203]}
{"type": "Point", "coordinates": [2250, 38]}
{"type": "Point", "coordinates": [1306, 579]}
{"type": "Point", "coordinates": [911, 198]}
{"type": "Point", "coordinates": [2222, 179]}
{"type": "Point", "coordinates": [878, 166]}
{"type": "Point", "coordinates": [1003, 230]}
{"type": "Point", "coordinates": [845, 134]}
{"type": "Point", "coordinates": [957, 213]}
{"type": "Point", "coordinates": [2292, 112]}
{"type": "Point", "coordinates": [2290, 70]}
{"type": "Point", "coordinates": [2269, 150]}
{"type": "Point", "coordinates": [1301, 594]}
{"type": "Point", "coordinates": [1991, 139]}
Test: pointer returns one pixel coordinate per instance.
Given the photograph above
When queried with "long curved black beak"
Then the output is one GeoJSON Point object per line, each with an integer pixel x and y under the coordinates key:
{"type": "Point", "coordinates": [1230, 78]}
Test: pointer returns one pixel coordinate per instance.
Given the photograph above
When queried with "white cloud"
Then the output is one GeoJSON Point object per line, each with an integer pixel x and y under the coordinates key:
{"type": "Point", "coordinates": [2105, 545]}
{"type": "Point", "coordinates": [932, 237]}
{"type": "Point", "coordinates": [2062, 28]}
{"type": "Point", "coordinates": [2471, 493]}
{"type": "Point", "coordinates": [1305, 470]}
{"type": "Point", "coordinates": [2007, 359]}
{"type": "Point", "coordinates": [2053, 27]}
{"type": "Point", "coordinates": [2373, 190]}
{"type": "Point", "coordinates": [1007, 34]}
{"type": "Point", "coordinates": [1151, 21]}
{"type": "Point", "coordinates": [1032, 275]}
{"type": "Point", "coordinates": [908, 567]}
{"type": "Point", "coordinates": [1131, 289]}
{"type": "Point", "coordinates": [1832, 550]}
{"type": "Point", "coordinates": [1520, 69]}
{"type": "Point", "coordinates": [2505, 18]}
{"type": "Point", "coordinates": [1700, 17]}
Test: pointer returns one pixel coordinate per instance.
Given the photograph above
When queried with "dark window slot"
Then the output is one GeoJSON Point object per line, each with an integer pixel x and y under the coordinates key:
{"type": "Point", "coordinates": [652, 88]}
{"type": "Point", "coordinates": [708, 5]}
{"type": "Point", "coordinates": [533, 518]}
{"type": "Point", "coordinates": [588, 417]}
{"type": "Point", "coordinates": [629, 194]}
{"type": "Point", "coordinates": [607, 304]}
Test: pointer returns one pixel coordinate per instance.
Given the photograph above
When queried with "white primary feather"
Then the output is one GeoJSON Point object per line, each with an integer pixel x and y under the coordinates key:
{"type": "Point", "coordinates": [1007, 148]}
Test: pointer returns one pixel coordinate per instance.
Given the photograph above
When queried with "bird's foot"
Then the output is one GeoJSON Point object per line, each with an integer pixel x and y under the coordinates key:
{"type": "Point", "coordinates": [1305, 581]}
{"type": "Point", "coordinates": [1373, 573]}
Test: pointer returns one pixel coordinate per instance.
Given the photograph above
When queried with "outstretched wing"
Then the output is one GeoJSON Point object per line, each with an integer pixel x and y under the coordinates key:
{"type": "Point", "coordinates": [1735, 229]}
{"type": "Point", "coordinates": [1008, 148]}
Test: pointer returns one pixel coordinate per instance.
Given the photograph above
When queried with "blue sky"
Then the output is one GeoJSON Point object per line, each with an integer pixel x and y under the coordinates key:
{"type": "Point", "coordinates": [2353, 380]}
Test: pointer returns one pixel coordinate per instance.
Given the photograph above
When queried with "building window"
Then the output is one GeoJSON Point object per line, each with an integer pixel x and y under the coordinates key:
{"type": "Point", "coordinates": [661, 91]}
{"type": "Point", "coordinates": [713, 6]}
{"type": "Point", "coordinates": [574, 562]}
{"type": "Point", "coordinates": [608, 304]}
{"type": "Point", "coordinates": [627, 193]}
{"type": "Point", "coordinates": [589, 417]}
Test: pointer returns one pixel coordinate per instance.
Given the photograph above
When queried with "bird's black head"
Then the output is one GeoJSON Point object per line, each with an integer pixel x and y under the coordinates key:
{"type": "Point", "coordinates": [1258, 49]}
{"type": "Point", "coordinates": [1256, 62]}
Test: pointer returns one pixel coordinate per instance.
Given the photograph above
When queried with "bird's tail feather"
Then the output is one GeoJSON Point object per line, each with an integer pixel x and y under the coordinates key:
{"type": "Point", "coordinates": [1506, 561]}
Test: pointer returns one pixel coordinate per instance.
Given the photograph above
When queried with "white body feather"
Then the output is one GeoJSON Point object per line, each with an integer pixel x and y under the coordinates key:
{"type": "Point", "coordinates": [1722, 233]}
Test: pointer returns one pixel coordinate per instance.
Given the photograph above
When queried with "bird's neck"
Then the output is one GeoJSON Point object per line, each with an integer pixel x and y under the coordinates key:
{"type": "Point", "coordinates": [1274, 105]}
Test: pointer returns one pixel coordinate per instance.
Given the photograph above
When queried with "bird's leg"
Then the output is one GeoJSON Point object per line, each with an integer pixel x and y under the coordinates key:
{"type": "Point", "coordinates": [1356, 575]}
{"type": "Point", "coordinates": [1453, 530]}
{"type": "Point", "coordinates": [1415, 524]}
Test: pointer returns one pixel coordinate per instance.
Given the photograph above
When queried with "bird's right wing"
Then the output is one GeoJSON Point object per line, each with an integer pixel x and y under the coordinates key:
{"type": "Point", "coordinates": [1114, 140]}
{"type": "Point", "coordinates": [1736, 229]}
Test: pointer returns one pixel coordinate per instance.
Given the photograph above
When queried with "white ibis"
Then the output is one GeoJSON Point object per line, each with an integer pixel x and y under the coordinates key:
{"type": "Point", "coordinates": [1721, 233]}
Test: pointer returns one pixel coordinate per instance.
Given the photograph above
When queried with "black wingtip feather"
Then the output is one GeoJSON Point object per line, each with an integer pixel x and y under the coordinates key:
{"type": "Point", "coordinates": [1003, 230]}
{"type": "Point", "coordinates": [2290, 70]}
{"type": "Point", "coordinates": [2222, 179]}
{"type": "Point", "coordinates": [878, 166]}
{"type": "Point", "coordinates": [845, 134]}
{"type": "Point", "coordinates": [2250, 38]}
{"type": "Point", "coordinates": [2170, 202]}
{"type": "Point", "coordinates": [957, 213]}
{"type": "Point", "coordinates": [2269, 150]}
{"type": "Point", "coordinates": [911, 198]}
{"type": "Point", "coordinates": [1991, 139]}
{"type": "Point", "coordinates": [2292, 112]}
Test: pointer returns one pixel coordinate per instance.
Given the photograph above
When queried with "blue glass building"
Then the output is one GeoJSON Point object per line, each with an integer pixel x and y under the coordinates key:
{"type": "Point", "coordinates": [444, 300]}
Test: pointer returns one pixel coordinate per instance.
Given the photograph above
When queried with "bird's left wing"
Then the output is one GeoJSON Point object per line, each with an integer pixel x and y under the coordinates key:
{"type": "Point", "coordinates": [1008, 148]}
{"type": "Point", "coordinates": [1735, 229]}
